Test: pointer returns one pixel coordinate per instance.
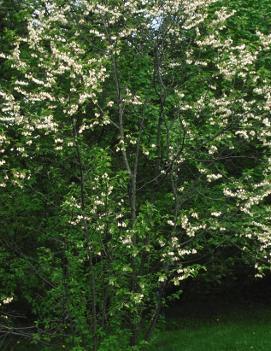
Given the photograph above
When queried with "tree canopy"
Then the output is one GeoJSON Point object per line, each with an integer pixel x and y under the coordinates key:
{"type": "Point", "coordinates": [134, 142]}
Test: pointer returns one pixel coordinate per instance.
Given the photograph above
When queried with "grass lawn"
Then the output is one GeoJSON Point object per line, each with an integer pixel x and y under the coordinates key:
{"type": "Point", "coordinates": [209, 326]}
{"type": "Point", "coordinates": [225, 328]}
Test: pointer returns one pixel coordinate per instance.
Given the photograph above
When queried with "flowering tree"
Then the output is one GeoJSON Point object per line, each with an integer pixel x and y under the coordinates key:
{"type": "Point", "coordinates": [134, 136]}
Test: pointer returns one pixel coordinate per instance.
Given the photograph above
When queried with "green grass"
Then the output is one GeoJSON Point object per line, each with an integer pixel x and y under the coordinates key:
{"type": "Point", "coordinates": [229, 329]}
{"type": "Point", "coordinates": [211, 326]}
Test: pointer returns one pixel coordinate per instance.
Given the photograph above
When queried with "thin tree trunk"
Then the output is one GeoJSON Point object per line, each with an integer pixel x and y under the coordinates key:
{"type": "Point", "coordinates": [86, 235]}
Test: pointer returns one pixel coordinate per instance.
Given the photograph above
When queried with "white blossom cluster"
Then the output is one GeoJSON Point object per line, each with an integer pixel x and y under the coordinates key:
{"type": "Point", "coordinates": [6, 300]}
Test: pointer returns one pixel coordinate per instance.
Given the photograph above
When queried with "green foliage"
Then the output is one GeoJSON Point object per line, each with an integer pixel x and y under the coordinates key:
{"type": "Point", "coordinates": [135, 142]}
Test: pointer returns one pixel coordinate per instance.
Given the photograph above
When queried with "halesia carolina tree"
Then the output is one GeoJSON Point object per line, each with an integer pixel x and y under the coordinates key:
{"type": "Point", "coordinates": [135, 135]}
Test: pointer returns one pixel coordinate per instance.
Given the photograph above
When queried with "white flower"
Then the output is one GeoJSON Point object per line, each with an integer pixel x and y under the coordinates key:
{"type": "Point", "coordinates": [7, 300]}
{"type": "Point", "coordinates": [138, 297]}
{"type": "Point", "coordinates": [212, 150]}
{"type": "Point", "coordinates": [162, 278]}
{"type": "Point", "coordinates": [171, 223]}
{"type": "Point", "coordinates": [146, 152]}
{"type": "Point", "coordinates": [194, 215]}
{"type": "Point", "coordinates": [110, 103]}
{"type": "Point", "coordinates": [212, 177]}
{"type": "Point", "coordinates": [216, 214]}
